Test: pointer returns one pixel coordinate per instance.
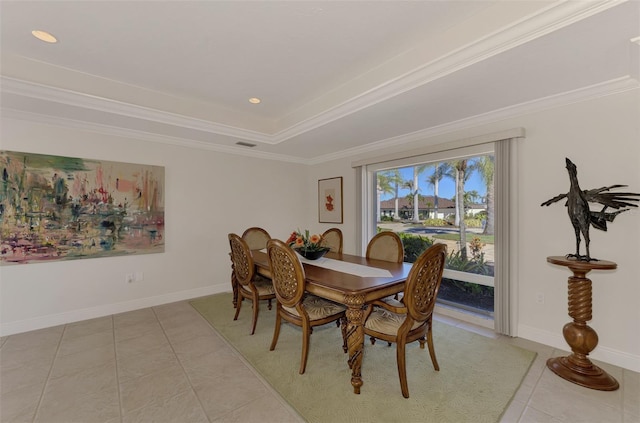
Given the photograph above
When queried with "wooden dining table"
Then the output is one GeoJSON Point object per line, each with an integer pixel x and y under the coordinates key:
{"type": "Point", "coordinates": [351, 290]}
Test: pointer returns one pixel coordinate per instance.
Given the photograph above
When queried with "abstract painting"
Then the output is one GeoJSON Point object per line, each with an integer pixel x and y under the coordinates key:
{"type": "Point", "coordinates": [65, 208]}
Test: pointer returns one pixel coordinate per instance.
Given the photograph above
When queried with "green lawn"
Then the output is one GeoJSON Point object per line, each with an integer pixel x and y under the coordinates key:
{"type": "Point", "coordinates": [487, 239]}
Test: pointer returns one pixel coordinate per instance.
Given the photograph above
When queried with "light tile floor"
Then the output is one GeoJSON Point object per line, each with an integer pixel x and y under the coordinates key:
{"type": "Point", "coordinates": [166, 364]}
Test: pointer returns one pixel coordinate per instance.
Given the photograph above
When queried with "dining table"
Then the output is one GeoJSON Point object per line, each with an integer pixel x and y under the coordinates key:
{"type": "Point", "coordinates": [353, 281]}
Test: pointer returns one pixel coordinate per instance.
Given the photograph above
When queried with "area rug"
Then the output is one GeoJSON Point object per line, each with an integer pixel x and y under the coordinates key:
{"type": "Point", "coordinates": [477, 379]}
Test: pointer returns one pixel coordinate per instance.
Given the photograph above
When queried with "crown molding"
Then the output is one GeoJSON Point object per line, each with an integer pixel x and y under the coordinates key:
{"type": "Point", "coordinates": [603, 89]}
{"type": "Point", "coordinates": [552, 18]}
{"type": "Point", "coordinates": [142, 135]}
{"type": "Point", "coordinates": [615, 86]}
{"type": "Point", "coordinates": [87, 101]}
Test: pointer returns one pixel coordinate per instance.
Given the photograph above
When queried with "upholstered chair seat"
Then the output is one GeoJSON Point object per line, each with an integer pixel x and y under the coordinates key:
{"type": "Point", "coordinates": [317, 308]}
{"type": "Point", "coordinates": [387, 322]}
{"type": "Point", "coordinates": [264, 286]}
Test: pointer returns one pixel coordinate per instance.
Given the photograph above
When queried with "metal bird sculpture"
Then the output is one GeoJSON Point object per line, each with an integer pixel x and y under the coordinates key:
{"type": "Point", "coordinates": [580, 212]}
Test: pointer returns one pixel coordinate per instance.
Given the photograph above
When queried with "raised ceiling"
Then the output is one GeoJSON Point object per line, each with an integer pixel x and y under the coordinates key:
{"type": "Point", "coordinates": [335, 78]}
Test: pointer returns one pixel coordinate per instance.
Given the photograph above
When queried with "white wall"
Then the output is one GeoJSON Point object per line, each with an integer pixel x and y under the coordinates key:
{"type": "Point", "coordinates": [602, 137]}
{"type": "Point", "coordinates": [208, 194]}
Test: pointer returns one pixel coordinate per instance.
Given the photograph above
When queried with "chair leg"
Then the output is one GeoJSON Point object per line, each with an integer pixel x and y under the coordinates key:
{"type": "Point", "coordinates": [402, 368]}
{"type": "Point", "coordinates": [306, 334]}
{"type": "Point", "coordinates": [276, 331]}
{"type": "Point", "coordinates": [234, 286]}
{"type": "Point", "coordinates": [432, 351]}
{"type": "Point", "coordinates": [256, 309]}
{"type": "Point", "coordinates": [269, 306]}
{"type": "Point", "coordinates": [238, 306]}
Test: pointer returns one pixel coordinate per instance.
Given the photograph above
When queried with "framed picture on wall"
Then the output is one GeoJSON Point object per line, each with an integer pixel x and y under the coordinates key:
{"type": "Point", "coordinates": [330, 200]}
{"type": "Point", "coordinates": [68, 208]}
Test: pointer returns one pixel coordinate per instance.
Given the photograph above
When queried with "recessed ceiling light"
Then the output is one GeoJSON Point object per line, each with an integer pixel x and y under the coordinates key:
{"type": "Point", "coordinates": [635, 40]}
{"type": "Point", "coordinates": [254, 100]}
{"type": "Point", "coordinates": [44, 36]}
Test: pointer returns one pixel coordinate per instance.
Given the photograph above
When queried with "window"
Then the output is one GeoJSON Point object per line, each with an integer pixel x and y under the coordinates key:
{"type": "Point", "coordinates": [449, 202]}
{"type": "Point", "coordinates": [444, 201]}
{"type": "Point", "coordinates": [485, 268]}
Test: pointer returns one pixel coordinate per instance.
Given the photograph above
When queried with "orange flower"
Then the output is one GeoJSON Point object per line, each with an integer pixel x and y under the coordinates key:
{"type": "Point", "coordinates": [292, 237]}
{"type": "Point", "coordinates": [302, 240]}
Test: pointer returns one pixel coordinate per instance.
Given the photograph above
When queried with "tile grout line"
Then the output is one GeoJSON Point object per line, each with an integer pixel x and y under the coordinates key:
{"type": "Point", "coordinates": [554, 353]}
{"type": "Point", "coordinates": [533, 389]}
{"type": "Point", "coordinates": [115, 356]}
{"type": "Point", "coordinates": [270, 388]}
{"type": "Point", "coordinates": [44, 387]}
{"type": "Point", "coordinates": [144, 375]}
{"type": "Point", "coordinates": [181, 365]}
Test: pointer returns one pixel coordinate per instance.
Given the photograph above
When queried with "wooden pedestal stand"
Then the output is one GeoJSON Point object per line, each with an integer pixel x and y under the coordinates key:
{"type": "Point", "coordinates": [582, 339]}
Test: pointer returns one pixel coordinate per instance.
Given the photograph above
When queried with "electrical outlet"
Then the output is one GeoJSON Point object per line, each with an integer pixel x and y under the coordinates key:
{"type": "Point", "coordinates": [139, 276]}
{"type": "Point", "coordinates": [130, 277]}
{"type": "Point", "coordinates": [540, 298]}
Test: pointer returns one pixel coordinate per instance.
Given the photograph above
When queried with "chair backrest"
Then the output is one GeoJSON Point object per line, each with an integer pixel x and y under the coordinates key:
{"type": "Point", "coordinates": [256, 238]}
{"type": "Point", "coordinates": [243, 266]}
{"type": "Point", "coordinates": [386, 246]}
{"type": "Point", "coordinates": [332, 238]}
{"type": "Point", "coordinates": [423, 282]}
{"type": "Point", "coordinates": [287, 274]}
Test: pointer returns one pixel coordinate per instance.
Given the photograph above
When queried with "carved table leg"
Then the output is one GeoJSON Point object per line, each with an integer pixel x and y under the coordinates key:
{"type": "Point", "coordinates": [355, 339]}
{"type": "Point", "coordinates": [582, 339]}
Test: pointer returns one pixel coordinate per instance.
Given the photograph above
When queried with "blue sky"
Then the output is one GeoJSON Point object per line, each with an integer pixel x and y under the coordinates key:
{"type": "Point", "coordinates": [446, 187]}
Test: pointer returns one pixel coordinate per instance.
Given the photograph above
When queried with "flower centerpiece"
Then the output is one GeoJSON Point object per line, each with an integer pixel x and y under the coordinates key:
{"type": "Point", "coordinates": [308, 246]}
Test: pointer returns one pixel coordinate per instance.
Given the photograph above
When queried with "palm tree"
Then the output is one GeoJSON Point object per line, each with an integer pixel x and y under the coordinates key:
{"type": "Point", "coordinates": [451, 173]}
{"type": "Point", "coordinates": [417, 170]}
{"type": "Point", "coordinates": [460, 167]}
{"type": "Point", "coordinates": [411, 196]}
{"type": "Point", "coordinates": [471, 197]}
{"type": "Point", "coordinates": [383, 187]}
{"type": "Point", "coordinates": [395, 181]}
{"type": "Point", "coordinates": [439, 172]}
{"type": "Point", "coordinates": [486, 166]}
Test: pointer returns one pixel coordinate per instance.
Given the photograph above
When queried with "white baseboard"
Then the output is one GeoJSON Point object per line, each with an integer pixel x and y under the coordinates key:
{"type": "Point", "coordinates": [42, 322]}
{"type": "Point", "coordinates": [465, 316]}
{"type": "Point", "coordinates": [601, 353]}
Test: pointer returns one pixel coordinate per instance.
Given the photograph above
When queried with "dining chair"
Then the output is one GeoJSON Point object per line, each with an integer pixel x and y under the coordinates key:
{"type": "Point", "coordinates": [332, 238]}
{"type": "Point", "coordinates": [249, 284]}
{"type": "Point", "coordinates": [386, 246]}
{"type": "Point", "coordinates": [411, 320]}
{"type": "Point", "coordinates": [294, 304]}
{"type": "Point", "coordinates": [256, 238]}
